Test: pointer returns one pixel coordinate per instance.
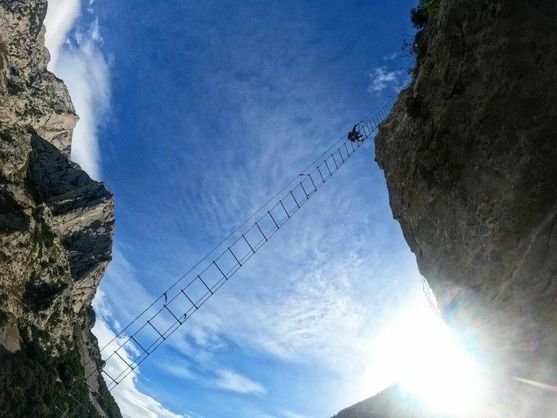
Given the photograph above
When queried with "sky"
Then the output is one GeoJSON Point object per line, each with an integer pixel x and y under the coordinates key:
{"type": "Point", "coordinates": [194, 113]}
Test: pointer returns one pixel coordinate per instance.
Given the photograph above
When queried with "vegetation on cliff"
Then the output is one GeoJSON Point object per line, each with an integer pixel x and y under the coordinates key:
{"type": "Point", "coordinates": [427, 11]}
{"type": "Point", "coordinates": [33, 383]}
{"type": "Point", "coordinates": [55, 234]}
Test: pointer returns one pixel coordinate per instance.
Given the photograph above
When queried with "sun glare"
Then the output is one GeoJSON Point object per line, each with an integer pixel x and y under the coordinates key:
{"type": "Point", "coordinates": [430, 365]}
{"type": "Point", "coordinates": [441, 373]}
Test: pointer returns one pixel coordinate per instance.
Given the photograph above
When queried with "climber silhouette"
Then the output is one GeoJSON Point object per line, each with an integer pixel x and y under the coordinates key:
{"type": "Point", "coordinates": [354, 135]}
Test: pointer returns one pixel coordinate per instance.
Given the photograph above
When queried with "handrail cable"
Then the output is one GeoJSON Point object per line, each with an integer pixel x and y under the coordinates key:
{"type": "Point", "coordinates": [136, 342]}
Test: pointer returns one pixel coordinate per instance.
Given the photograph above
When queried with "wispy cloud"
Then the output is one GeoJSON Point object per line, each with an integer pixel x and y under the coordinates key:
{"type": "Point", "coordinates": [235, 382]}
{"type": "Point", "coordinates": [317, 295]}
{"type": "Point", "coordinates": [381, 78]}
{"type": "Point", "coordinates": [59, 20]}
{"type": "Point", "coordinates": [178, 370]}
{"type": "Point", "coordinates": [315, 309]}
{"type": "Point", "coordinates": [133, 402]}
{"type": "Point", "coordinates": [76, 57]}
{"type": "Point", "coordinates": [392, 56]}
{"type": "Point", "coordinates": [294, 319]}
{"type": "Point", "coordinates": [299, 321]}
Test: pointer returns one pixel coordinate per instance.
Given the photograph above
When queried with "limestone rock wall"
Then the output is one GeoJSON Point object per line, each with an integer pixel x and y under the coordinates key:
{"type": "Point", "coordinates": [31, 96]}
{"type": "Point", "coordinates": [56, 223]}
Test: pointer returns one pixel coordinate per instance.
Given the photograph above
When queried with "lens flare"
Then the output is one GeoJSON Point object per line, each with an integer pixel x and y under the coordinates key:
{"type": "Point", "coordinates": [431, 365]}
{"type": "Point", "coordinates": [443, 375]}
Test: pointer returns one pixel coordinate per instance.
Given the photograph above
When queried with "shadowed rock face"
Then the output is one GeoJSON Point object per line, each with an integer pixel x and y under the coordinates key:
{"type": "Point", "coordinates": [470, 158]}
{"type": "Point", "coordinates": [56, 223]}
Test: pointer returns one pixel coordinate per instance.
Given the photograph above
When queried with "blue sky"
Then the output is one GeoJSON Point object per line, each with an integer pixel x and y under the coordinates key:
{"type": "Point", "coordinates": [194, 113]}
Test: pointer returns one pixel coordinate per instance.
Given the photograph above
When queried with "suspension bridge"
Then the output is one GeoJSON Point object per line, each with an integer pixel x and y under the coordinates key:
{"type": "Point", "coordinates": [141, 337]}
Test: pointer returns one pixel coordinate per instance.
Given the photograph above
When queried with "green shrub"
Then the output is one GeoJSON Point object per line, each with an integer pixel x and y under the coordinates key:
{"type": "Point", "coordinates": [35, 384]}
{"type": "Point", "coordinates": [427, 11]}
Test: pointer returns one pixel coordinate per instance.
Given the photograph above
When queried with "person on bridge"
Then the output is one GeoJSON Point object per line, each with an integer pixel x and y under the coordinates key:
{"type": "Point", "coordinates": [354, 135]}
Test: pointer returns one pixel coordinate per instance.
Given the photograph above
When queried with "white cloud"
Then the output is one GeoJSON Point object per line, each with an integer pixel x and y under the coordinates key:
{"type": "Point", "coordinates": [391, 57]}
{"type": "Point", "coordinates": [101, 304]}
{"type": "Point", "coordinates": [234, 382]}
{"type": "Point", "coordinates": [59, 20]}
{"type": "Point", "coordinates": [317, 313]}
{"type": "Point", "coordinates": [381, 78]}
{"type": "Point", "coordinates": [299, 322]}
{"type": "Point", "coordinates": [132, 402]}
{"type": "Point", "coordinates": [79, 61]}
{"type": "Point", "coordinates": [179, 370]}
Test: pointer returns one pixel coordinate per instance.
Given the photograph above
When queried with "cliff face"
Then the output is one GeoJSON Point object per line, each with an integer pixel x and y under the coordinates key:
{"type": "Point", "coordinates": [470, 158]}
{"type": "Point", "coordinates": [56, 223]}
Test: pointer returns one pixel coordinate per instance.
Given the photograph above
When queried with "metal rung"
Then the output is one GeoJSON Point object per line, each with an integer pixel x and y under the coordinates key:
{"type": "Point", "coordinates": [346, 148]}
{"type": "Point", "coordinates": [328, 168]}
{"type": "Point", "coordinates": [334, 160]}
{"type": "Point", "coordinates": [339, 153]}
{"type": "Point", "coordinates": [121, 358]}
{"type": "Point", "coordinates": [282, 204]}
{"type": "Point", "coordinates": [221, 272]}
{"type": "Point", "coordinates": [365, 129]}
{"type": "Point", "coordinates": [304, 189]}
{"type": "Point", "coordinates": [295, 200]}
{"type": "Point", "coordinates": [172, 313]}
{"type": "Point", "coordinates": [249, 245]}
{"type": "Point", "coordinates": [312, 182]}
{"type": "Point", "coordinates": [158, 332]}
{"type": "Point", "coordinates": [271, 215]}
{"type": "Point", "coordinates": [235, 258]}
{"type": "Point", "coordinates": [109, 376]}
{"type": "Point", "coordinates": [140, 346]}
{"type": "Point", "coordinates": [204, 284]}
{"type": "Point", "coordinates": [369, 127]}
{"type": "Point", "coordinates": [321, 174]}
{"type": "Point", "coordinates": [260, 230]}
{"type": "Point", "coordinates": [191, 301]}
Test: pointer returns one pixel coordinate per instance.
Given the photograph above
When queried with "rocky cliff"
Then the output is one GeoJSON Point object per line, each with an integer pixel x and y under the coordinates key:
{"type": "Point", "coordinates": [56, 229]}
{"type": "Point", "coordinates": [470, 158]}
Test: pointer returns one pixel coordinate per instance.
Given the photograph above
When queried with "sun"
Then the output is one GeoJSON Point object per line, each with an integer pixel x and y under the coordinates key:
{"type": "Point", "coordinates": [429, 363]}
{"type": "Point", "coordinates": [442, 373]}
